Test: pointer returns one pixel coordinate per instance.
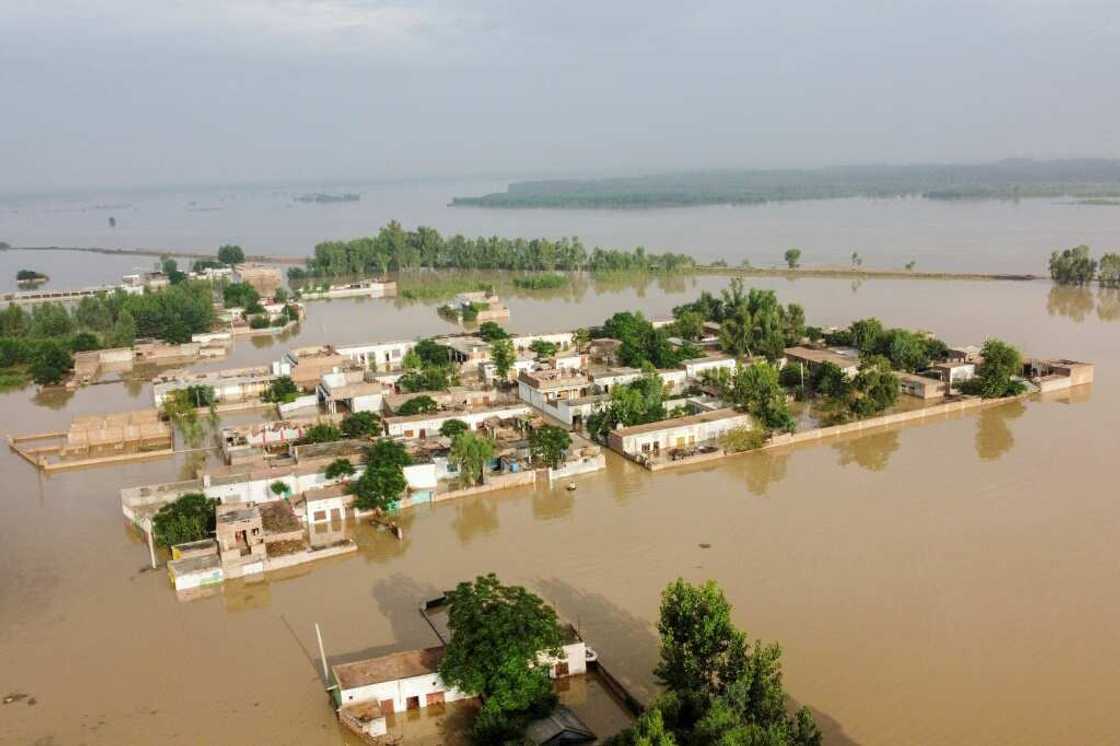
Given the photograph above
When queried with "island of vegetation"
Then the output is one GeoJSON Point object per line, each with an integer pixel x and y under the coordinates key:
{"type": "Point", "coordinates": [394, 248]}
{"type": "Point", "coordinates": [30, 277]}
{"type": "Point", "coordinates": [1007, 179]}
{"type": "Point", "coordinates": [1077, 266]}
{"type": "Point", "coordinates": [320, 198]}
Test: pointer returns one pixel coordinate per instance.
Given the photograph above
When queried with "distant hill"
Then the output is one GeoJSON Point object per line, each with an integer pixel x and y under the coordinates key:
{"type": "Point", "coordinates": [1007, 179]}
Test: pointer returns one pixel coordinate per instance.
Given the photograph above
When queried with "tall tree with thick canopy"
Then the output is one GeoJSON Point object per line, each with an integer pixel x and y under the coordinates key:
{"type": "Point", "coordinates": [549, 445]}
{"type": "Point", "coordinates": [189, 518]}
{"type": "Point", "coordinates": [499, 635]}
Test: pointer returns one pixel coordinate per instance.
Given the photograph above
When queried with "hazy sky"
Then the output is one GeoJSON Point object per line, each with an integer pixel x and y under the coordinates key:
{"type": "Point", "coordinates": [141, 92]}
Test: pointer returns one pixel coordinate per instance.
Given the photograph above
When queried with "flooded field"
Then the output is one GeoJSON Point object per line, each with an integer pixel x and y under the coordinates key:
{"type": "Point", "coordinates": [941, 583]}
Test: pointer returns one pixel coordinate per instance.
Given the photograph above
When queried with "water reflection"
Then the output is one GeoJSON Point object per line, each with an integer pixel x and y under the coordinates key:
{"type": "Point", "coordinates": [872, 452]}
{"type": "Point", "coordinates": [475, 517]}
{"type": "Point", "coordinates": [1108, 304]}
{"type": "Point", "coordinates": [53, 398]}
{"type": "Point", "coordinates": [993, 436]}
{"type": "Point", "coordinates": [763, 469]}
{"type": "Point", "coordinates": [552, 503]}
{"type": "Point", "coordinates": [1077, 303]}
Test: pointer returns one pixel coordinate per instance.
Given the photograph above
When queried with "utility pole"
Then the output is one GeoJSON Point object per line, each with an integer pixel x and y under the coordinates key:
{"type": "Point", "coordinates": [151, 545]}
{"type": "Point", "coordinates": [322, 655]}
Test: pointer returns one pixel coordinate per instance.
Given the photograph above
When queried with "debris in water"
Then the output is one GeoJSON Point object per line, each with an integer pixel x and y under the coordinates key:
{"type": "Point", "coordinates": [14, 697]}
{"type": "Point", "coordinates": [32, 701]}
{"type": "Point", "coordinates": [705, 546]}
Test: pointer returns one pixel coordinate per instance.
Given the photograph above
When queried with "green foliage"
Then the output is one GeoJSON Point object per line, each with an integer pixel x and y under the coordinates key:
{"type": "Point", "coordinates": [340, 468]}
{"type": "Point", "coordinates": [418, 405]}
{"type": "Point", "coordinates": [30, 275]}
{"type": "Point", "coordinates": [635, 403]}
{"type": "Point", "coordinates": [1109, 274]}
{"type": "Point", "coordinates": [1073, 266]}
{"type": "Point", "coordinates": [83, 341]}
{"type": "Point", "coordinates": [282, 390]}
{"type": "Point", "coordinates": [543, 349]}
{"type": "Point", "coordinates": [50, 320]}
{"type": "Point", "coordinates": [874, 388]}
{"type": "Point", "coordinates": [994, 376]}
{"type": "Point", "coordinates": [641, 343]}
{"type": "Point", "coordinates": [498, 636]}
{"type": "Point", "coordinates": [201, 265]}
{"type": "Point", "coordinates": [452, 428]}
{"type": "Point", "coordinates": [431, 352]}
{"type": "Point", "coordinates": [280, 488]}
{"type": "Point", "coordinates": [793, 258]}
{"type": "Point", "coordinates": [701, 649]}
{"type": "Point", "coordinates": [281, 295]}
{"type": "Point", "coordinates": [428, 378]}
{"type": "Point", "coordinates": [503, 357]}
{"type": "Point", "coordinates": [231, 254]}
{"type": "Point", "coordinates": [189, 518]}
{"type": "Point", "coordinates": [470, 452]}
{"type": "Point", "coordinates": [50, 363]}
{"type": "Point", "coordinates": [905, 349]}
{"type": "Point", "coordinates": [549, 445]}
{"type": "Point", "coordinates": [321, 432]}
{"type": "Point", "coordinates": [261, 321]}
{"type": "Point", "coordinates": [124, 330]}
{"type": "Point", "coordinates": [241, 295]}
{"type": "Point", "coordinates": [757, 389]}
{"type": "Point", "coordinates": [382, 482]}
{"type": "Point", "coordinates": [689, 325]}
{"type": "Point", "coordinates": [491, 331]}
{"type": "Point", "coordinates": [361, 425]}
{"type": "Point", "coordinates": [866, 335]}
{"type": "Point", "coordinates": [751, 322]}
{"type": "Point", "coordinates": [742, 438]}
{"type": "Point", "coordinates": [541, 282]}
{"type": "Point", "coordinates": [393, 248]}
{"type": "Point", "coordinates": [172, 314]}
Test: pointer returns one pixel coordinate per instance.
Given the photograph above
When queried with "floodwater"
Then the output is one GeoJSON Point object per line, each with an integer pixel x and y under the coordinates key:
{"type": "Point", "coordinates": [983, 236]}
{"type": "Point", "coordinates": [943, 583]}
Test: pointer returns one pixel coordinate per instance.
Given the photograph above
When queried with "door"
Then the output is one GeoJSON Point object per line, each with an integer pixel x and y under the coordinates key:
{"type": "Point", "coordinates": [561, 669]}
{"type": "Point", "coordinates": [435, 698]}
{"type": "Point", "coordinates": [412, 703]}
{"type": "Point", "coordinates": [387, 706]}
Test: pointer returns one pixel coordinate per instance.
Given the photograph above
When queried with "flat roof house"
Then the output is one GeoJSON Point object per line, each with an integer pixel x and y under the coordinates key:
{"type": "Point", "coordinates": [812, 357]}
{"type": "Point", "coordinates": [680, 432]}
{"type": "Point", "coordinates": [921, 387]}
{"type": "Point", "coordinates": [397, 682]}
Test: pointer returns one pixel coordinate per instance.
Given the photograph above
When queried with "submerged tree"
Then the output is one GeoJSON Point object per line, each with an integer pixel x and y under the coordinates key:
{"type": "Point", "coordinates": [189, 518]}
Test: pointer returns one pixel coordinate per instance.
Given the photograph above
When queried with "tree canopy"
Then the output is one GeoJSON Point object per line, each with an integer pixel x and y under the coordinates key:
{"type": "Point", "coordinates": [422, 404]}
{"type": "Point", "coordinates": [470, 452]}
{"type": "Point", "coordinates": [549, 445]}
{"type": "Point", "coordinates": [1074, 266]}
{"type": "Point", "coordinates": [382, 482]}
{"type": "Point", "coordinates": [499, 637]}
{"type": "Point", "coordinates": [189, 518]}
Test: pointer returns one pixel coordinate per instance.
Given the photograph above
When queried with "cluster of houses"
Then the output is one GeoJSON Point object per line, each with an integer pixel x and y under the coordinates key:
{"type": "Point", "coordinates": [477, 306]}
{"type": "Point", "coordinates": [357, 289]}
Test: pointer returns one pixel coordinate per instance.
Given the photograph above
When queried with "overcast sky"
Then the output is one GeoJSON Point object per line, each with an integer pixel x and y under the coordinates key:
{"type": "Point", "coordinates": [153, 92]}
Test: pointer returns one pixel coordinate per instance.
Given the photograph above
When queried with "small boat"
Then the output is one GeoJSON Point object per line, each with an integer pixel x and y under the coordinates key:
{"type": "Point", "coordinates": [571, 486]}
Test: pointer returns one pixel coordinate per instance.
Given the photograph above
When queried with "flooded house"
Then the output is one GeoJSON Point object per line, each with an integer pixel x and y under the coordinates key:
{"type": "Point", "coordinates": [350, 391]}
{"type": "Point", "coordinates": [383, 356]}
{"type": "Point", "coordinates": [813, 357]}
{"type": "Point", "coordinates": [262, 278]}
{"type": "Point", "coordinates": [920, 386]}
{"type": "Point", "coordinates": [653, 439]}
{"type": "Point", "coordinates": [230, 385]}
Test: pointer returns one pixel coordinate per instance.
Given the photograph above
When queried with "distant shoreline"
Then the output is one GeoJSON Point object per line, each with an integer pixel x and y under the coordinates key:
{"type": "Point", "coordinates": [861, 273]}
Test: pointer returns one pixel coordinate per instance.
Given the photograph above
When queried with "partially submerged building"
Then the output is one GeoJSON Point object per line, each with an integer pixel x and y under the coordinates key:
{"type": "Point", "coordinates": [919, 386]}
{"type": "Point", "coordinates": [1057, 374]}
{"type": "Point", "coordinates": [231, 385]}
{"type": "Point", "coordinates": [813, 357]}
{"type": "Point", "coordinates": [696, 431]}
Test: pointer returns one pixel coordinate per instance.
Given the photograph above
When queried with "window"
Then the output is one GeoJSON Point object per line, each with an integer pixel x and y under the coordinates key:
{"type": "Point", "coordinates": [320, 515]}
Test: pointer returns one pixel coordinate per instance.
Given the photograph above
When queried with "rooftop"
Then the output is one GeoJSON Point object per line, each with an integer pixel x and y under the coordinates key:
{"type": "Point", "coordinates": [695, 419]}
{"type": "Point", "coordinates": [552, 378]}
{"type": "Point", "coordinates": [814, 355]}
{"type": "Point", "coordinates": [387, 668]}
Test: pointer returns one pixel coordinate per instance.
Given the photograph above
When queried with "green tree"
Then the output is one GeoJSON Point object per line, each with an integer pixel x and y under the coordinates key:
{"type": "Point", "coordinates": [793, 258]}
{"type": "Point", "coordinates": [542, 348]}
{"type": "Point", "coordinates": [231, 254]}
{"type": "Point", "coordinates": [1074, 266]}
{"type": "Point", "coordinates": [549, 445]}
{"type": "Point", "coordinates": [500, 636]}
{"type": "Point", "coordinates": [418, 405]}
{"type": "Point", "coordinates": [701, 650]}
{"type": "Point", "coordinates": [241, 295]}
{"type": "Point", "coordinates": [470, 452]}
{"type": "Point", "coordinates": [280, 489]}
{"type": "Point", "coordinates": [995, 375]}
{"type": "Point", "coordinates": [340, 468]}
{"type": "Point", "coordinates": [83, 341]}
{"type": "Point", "coordinates": [1109, 274]}
{"type": "Point", "coordinates": [50, 320]}
{"type": "Point", "coordinates": [905, 349]}
{"type": "Point", "coordinates": [581, 338]}
{"type": "Point", "coordinates": [282, 390]}
{"type": "Point", "coordinates": [689, 325]}
{"type": "Point", "coordinates": [866, 334]}
{"type": "Point", "coordinates": [756, 389]}
{"type": "Point", "coordinates": [503, 357]}
{"type": "Point", "coordinates": [124, 330]}
{"type": "Point", "coordinates": [321, 432]}
{"type": "Point", "coordinates": [93, 313]}
{"type": "Point", "coordinates": [491, 331]}
{"type": "Point", "coordinates": [189, 518]}
{"type": "Point", "coordinates": [382, 482]}
{"type": "Point", "coordinates": [874, 388]}
{"type": "Point", "coordinates": [452, 428]}
{"type": "Point", "coordinates": [361, 425]}
{"type": "Point", "coordinates": [50, 363]}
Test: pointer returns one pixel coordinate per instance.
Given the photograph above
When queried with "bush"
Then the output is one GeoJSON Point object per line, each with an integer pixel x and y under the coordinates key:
{"type": "Point", "coordinates": [742, 438]}
{"type": "Point", "coordinates": [190, 518]}
{"type": "Point", "coordinates": [51, 363]}
{"type": "Point", "coordinates": [361, 425]}
{"type": "Point", "coordinates": [281, 391]}
{"type": "Point", "coordinates": [418, 405]}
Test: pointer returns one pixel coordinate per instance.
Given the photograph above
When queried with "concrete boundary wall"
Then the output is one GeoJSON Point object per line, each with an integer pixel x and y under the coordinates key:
{"type": "Point", "coordinates": [496, 483]}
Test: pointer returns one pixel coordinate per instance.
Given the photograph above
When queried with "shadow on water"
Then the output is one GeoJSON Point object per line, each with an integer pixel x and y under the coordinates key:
{"type": "Point", "coordinates": [475, 517]}
{"type": "Point", "coordinates": [607, 627]}
{"type": "Point", "coordinates": [994, 438]}
{"type": "Point", "coordinates": [552, 502]}
{"type": "Point", "coordinates": [872, 452]}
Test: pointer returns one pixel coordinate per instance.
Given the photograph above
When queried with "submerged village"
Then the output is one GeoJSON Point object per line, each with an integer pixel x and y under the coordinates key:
{"type": "Point", "coordinates": [361, 432]}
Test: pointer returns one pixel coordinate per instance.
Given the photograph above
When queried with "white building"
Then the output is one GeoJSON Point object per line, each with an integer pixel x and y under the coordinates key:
{"type": "Point", "coordinates": [679, 432]}
{"type": "Point", "coordinates": [350, 389]}
{"type": "Point", "coordinates": [428, 425]}
{"type": "Point", "coordinates": [383, 355]}
{"type": "Point", "coordinates": [695, 368]}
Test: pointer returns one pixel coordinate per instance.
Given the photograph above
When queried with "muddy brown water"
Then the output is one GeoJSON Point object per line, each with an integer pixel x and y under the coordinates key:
{"type": "Point", "coordinates": [942, 583]}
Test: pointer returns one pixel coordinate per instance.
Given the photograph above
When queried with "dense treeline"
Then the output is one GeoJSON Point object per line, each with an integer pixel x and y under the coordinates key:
{"type": "Point", "coordinates": [394, 248]}
{"type": "Point", "coordinates": [1009, 179]}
